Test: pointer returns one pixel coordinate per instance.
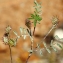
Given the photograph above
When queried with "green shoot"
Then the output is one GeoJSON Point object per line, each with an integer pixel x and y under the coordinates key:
{"type": "Point", "coordinates": [36, 15]}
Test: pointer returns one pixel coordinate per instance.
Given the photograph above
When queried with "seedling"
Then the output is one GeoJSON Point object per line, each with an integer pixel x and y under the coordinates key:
{"type": "Point", "coordinates": [36, 15]}
{"type": "Point", "coordinates": [35, 18]}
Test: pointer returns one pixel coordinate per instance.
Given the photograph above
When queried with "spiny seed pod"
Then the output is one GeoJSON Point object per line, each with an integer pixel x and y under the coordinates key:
{"type": "Point", "coordinates": [54, 20]}
{"type": "Point", "coordinates": [8, 28]}
{"type": "Point", "coordinates": [28, 23]}
{"type": "Point", "coordinates": [6, 34]}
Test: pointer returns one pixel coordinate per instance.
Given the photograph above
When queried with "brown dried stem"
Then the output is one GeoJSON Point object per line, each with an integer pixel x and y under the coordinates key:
{"type": "Point", "coordinates": [10, 53]}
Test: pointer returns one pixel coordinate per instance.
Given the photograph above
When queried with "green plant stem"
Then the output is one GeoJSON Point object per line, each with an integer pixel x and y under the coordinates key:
{"type": "Point", "coordinates": [10, 53]}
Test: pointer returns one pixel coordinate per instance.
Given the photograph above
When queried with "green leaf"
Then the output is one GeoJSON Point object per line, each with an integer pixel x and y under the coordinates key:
{"type": "Point", "coordinates": [24, 32]}
{"type": "Point", "coordinates": [48, 50]}
{"type": "Point", "coordinates": [41, 53]}
{"type": "Point", "coordinates": [35, 16]}
{"type": "Point", "coordinates": [5, 39]}
{"type": "Point", "coordinates": [16, 34]}
{"type": "Point", "coordinates": [59, 45]}
{"type": "Point", "coordinates": [53, 46]}
{"type": "Point", "coordinates": [60, 39]}
{"type": "Point", "coordinates": [12, 42]}
{"type": "Point", "coordinates": [21, 30]}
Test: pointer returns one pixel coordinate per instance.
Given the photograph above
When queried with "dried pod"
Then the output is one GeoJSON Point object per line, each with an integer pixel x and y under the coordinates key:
{"type": "Point", "coordinates": [28, 23]}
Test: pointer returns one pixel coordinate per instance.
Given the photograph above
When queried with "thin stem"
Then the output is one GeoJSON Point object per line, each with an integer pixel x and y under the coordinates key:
{"type": "Point", "coordinates": [31, 40]}
{"type": "Point", "coordinates": [30, 33]}
{"type": "Point", "coordinates": [10, 53]}
{"type": "Point", "coordinates": [50, 31]}
{"type": "Point", "coordinates": [34, 30]}
{"type": "Point", "coordinates": [28, 57]}
{"type": "Point", "coordinates": [48, 34]}
{"type": "Point", "coordinates": [31, 47]}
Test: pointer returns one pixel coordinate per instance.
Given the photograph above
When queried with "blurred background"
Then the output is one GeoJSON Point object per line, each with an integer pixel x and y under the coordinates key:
{"type": "Point", "coordinates": [14, 13]}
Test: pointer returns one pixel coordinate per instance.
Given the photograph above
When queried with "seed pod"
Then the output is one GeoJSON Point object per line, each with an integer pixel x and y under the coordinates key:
{"type": "Point", "coordinates": [8, 28]}
{"type": "Point", "coordinates": [28, 23]}
{"type": "Point", "coordinates": [54, 20]}
{"type": "Point", "coordinates": [6, 34]}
